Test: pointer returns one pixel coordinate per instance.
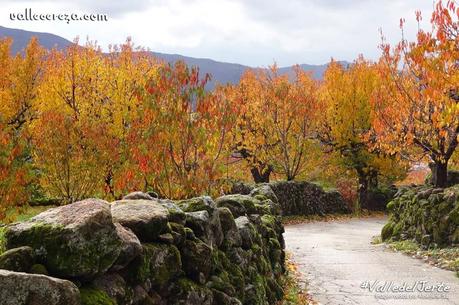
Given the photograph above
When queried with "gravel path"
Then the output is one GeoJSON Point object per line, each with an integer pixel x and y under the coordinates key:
{"type": "Point", "coordinates": [339, 264]}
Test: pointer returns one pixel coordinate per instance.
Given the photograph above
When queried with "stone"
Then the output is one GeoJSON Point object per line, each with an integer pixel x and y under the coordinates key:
{"type": "Point", "coordinates": [137, 196]}
{"type": "Point", "coordinates": [199, 223]}
{"type": "Point", "coordinates": [239, 205]}
{"type": "Point", "coordinates": [38, 269]}
{"type": "Point", "coordinates": [18, 259]}
{"type": "Point", "coordinates": [222, 298]}
{"type": "Point", "coordinates": [115, 287]}
{"type": "Point", "coordinates": [203, 203]}
{"type": "Point", "coordinates": [187, 292]}
{"type": "Point", "coordinates": [232, 238]}
{"type": "Point", "coordinates": [266, 191]}
{"type": "Point", "coordinates": [78, 240]}
{"type": "Point", "coordinates": [246, 230]}
{"type": "Point", "coordinates": [17, 288]}
{"type": "Point", "coordinates": [176, 214]}
{"type": "Point", "coordinates": [146, 218]}
{"type": "Point", "coordinates": [130, 247]}
{"type": "Point", "coordinates": [197, 260]}
{"type": "Point", "coordinates": [387, 230]}
{"type": "Point", "coordinates": [158, 264]}
{"type": "Point", "coordinates": [178, 233]}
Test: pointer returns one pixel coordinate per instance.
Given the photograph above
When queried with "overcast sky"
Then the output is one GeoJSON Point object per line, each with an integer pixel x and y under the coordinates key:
{"type": "Point", "coordinates": [250, 32]}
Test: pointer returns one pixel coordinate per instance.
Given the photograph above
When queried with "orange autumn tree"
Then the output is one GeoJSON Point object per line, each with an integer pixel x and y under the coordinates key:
{"type": "Point", "coordinates": [128, 70]}
{"type": "Point", "coordinates": [344, 120]}
{"type": "Point", "coordinates": [274, 128]}
{"type": "Point", "coordinates": [69, 134]}
{"type": "Point", "coordinates": [20, 76]}
{"type": "Point", "coordinates": [181, 135]}
{"type": "Point", "coordinates": [89, 103]}
{"type": "Point", "coordinates": [416, 111]}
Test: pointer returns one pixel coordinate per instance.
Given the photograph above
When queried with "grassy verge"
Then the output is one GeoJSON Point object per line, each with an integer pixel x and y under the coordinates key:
{"type": "Point", "coordinates": [290, 220]}
{"type": "Point", "coordinates": [445, 258]}
{"type": "Point", "coordinates": [294, 294]}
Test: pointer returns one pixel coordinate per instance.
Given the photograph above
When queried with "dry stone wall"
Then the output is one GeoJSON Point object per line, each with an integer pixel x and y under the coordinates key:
{"type": "Point", "coordinates": [425, 214]}
{"type": "Point", "coordinates": [300, 197]}
{"type": "Point", "coordinates": [142, 250]}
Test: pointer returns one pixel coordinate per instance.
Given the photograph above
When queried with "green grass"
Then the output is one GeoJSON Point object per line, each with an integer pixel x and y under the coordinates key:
{"type": "Point", "coordinates": [405, 246]}
{"type": "Point", "coordinates": [445, 258]}
{"type": "Point", "coordinates": [23, 213]}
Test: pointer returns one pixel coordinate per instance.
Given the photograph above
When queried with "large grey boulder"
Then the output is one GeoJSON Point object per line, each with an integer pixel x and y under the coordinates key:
{"type": "Point", "coordinates": [146, 218]}
{"type": "Point", "coordinates": [78, 240]}
{"type": "Point", "coordinates": [18, 288]}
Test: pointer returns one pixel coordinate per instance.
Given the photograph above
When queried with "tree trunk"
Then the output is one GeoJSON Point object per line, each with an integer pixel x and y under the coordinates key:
{"type": "Point", "coordinates": [373, 180]}
{"type": "Point", "coordinates": [363, 190]}
{"type": "Point", "coordinates": [260, 176]}
{"type": "Point", "coordinates": [439, 173]}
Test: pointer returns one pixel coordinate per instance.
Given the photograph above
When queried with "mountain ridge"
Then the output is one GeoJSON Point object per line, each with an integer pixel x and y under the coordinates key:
{"type": "Point", "coordinates": [221, 72]}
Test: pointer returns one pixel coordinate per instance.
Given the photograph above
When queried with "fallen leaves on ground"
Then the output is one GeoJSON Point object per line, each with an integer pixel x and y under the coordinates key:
{"type": "Point", "coordinates": [292, 220]}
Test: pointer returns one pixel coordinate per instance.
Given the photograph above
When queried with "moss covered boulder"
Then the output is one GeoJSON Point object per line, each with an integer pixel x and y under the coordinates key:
{"type": "Point", "coordinates": [74, 241]}
{"type": "Point", "coordinates": [206, 226]}
{"type": "Point", "coordinates": [146, 218]}
{"type": "Point", "coordinates": [18, 259]}
{"type": "Point", "coordinates": [158, 264]}
{"type": "Point", "coordinates": [265, 191]}
{"type": "Point", "coordinates": [197, 260]}
{"type": "Point", "coordinates": [187, 292]}
{"type": "Point", "coordinates": [239, 205]}
{"type": "Point", "coordinates": [203, 203]}
{"type": "Point", "coordinates": [112, 287]}
{"type": "Point", "coordinates": [176, 214]}
{"type": "Point", "coordinates": [32, 289]}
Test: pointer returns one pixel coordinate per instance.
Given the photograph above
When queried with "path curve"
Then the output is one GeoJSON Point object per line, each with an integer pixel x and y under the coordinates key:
{"type": "Point", "coordinates": [336, 258]}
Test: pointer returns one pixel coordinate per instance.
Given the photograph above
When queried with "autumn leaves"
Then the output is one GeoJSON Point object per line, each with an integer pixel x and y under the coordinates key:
{"type": "Point", "coordinates": [80, 122]}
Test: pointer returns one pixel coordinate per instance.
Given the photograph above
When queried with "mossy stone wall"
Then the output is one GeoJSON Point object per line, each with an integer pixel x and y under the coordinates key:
{"type": "Point", "coordinates": [426, 214]}
{"type": "Point", "coordinates": [224, 252]}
